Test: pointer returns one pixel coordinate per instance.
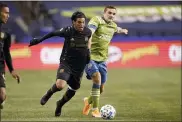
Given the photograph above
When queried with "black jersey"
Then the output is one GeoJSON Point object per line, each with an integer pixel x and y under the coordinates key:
{"type": "Point", "coordinates": [75, 49]}
{"type": "Point", "coordinates": [5, 56]}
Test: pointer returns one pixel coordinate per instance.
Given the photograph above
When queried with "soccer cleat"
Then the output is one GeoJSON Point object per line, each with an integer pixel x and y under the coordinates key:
{"type": "Point", "coordinates": [87, 106]}
{"type": "Point", "coordinates": [58, 109]}
{"type": "Point", "coordinates": [44, 99]}
{"type": "Point", "coordinates": [96, 113]}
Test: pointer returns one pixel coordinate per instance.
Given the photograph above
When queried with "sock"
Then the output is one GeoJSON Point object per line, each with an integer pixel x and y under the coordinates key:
{"type": "Point", "coordinates": [53, 89]}
{"type": "Point", "coordinates": [95, 95]}
{"type": "Point", "coordinates": [67, 96]}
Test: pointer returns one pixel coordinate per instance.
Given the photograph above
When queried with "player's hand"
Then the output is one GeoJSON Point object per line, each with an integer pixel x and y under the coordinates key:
{"type": "Point", "coordinates": [34, 41]}
{"type": "Point", "coordinates": [16, 76]}
{"type": "Point", "coordinates": [88, 56]}
{"type": "Point", "coordinates": [125, 31]}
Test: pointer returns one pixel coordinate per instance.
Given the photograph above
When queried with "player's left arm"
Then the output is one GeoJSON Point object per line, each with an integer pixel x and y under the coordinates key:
{"type": "Point", "coordinates": [93, 28]}
{"type": "Point", "coordinates": [121, 30]}
{"type": "Point", "coordinates": [8, 58]}
{"type": "Point", "coordinates": [60, 32]}
{"type": "Point", "coordinates": [94, 24]}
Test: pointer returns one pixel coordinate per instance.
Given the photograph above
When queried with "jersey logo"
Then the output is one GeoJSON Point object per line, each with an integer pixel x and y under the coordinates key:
{"type": "Point", "coordinates": [61, 29]}
{"type": "Point", "coordinates": [61, 70]}
{"type": "Point", "coordinates": [72, 39]}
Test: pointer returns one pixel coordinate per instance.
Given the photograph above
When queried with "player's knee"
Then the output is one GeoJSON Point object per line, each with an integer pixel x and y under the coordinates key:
{"type": "Point", "coordinates": [96, 77]}
{"type": "Point", "coordinates": [60, 83]}
{"type": "Point", "coordinates": [2, 95]}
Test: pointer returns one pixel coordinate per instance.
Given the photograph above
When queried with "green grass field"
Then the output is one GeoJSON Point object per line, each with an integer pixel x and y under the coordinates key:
{"type": "Point", "coordinates": [137, 94]}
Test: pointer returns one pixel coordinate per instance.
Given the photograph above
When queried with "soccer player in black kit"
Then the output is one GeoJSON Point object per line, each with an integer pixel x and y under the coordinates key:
{"type": "Point", "coordinates": [5, 56]}
{"type": "Point", "coordinates": [74, 57]}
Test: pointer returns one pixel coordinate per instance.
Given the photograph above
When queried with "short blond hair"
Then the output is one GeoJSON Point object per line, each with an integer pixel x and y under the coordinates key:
{"type": "Point", "coordinates": [109, 7]}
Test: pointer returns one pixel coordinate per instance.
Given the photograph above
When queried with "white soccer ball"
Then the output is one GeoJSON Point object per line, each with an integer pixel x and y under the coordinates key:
{"type": "Point", "coordinates": [108, 112]}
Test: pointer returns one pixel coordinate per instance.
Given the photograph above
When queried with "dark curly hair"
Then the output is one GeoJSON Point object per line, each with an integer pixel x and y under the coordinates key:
{"type": "Point", "coordinates": [77, 14]}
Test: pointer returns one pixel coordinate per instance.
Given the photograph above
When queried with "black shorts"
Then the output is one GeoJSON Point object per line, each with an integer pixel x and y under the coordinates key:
{"type": "Point", "coordinates": [73, 79]}
{"type": "Point", "coordinates": [2, 79]}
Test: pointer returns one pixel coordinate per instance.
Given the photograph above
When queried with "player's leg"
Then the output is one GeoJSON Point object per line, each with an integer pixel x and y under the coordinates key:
{"type": "Point", "coordinates": [73, 85]}
{"type": "Point", "coordinates": [96, 78]}
{"type": "Point", "coordinates": [2, 90]}
{"type": "Point", "coordinates": [62, 76]}
{"type": "Point", "coordinates": [58, 86]}
{"type": "Point", "coordinates": [93, 72]}
{"type": "Point", "coordinates": [90, 69]}
{"type": "Point", "coordinates": [103, 72]}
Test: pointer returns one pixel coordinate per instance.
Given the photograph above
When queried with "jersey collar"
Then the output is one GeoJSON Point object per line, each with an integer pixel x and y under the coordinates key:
{"type": "Point", "coordinates": [105, 20]}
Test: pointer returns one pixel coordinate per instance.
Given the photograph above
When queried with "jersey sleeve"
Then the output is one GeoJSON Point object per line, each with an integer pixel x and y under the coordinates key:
{"type": "Point", "coordinates": [7, 55]}
{"type": "Point", "coordinates": [61, 32]}
{"type": "Point", "coordinates": [94, 23]}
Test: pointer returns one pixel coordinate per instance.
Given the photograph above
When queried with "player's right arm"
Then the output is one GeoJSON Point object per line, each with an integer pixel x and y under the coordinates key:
{"type": "Point", "coordinates": [8, 58]}
{"type": "Point", "coordinates": [94, 24]}
{"type": "Point", "coordinates": [121, 30]}
{"type": "Point", "coordinates": [60, 32]}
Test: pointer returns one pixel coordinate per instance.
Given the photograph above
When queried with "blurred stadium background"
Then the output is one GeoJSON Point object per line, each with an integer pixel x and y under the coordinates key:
{"type": "Point", "coordinates": [144, 80]}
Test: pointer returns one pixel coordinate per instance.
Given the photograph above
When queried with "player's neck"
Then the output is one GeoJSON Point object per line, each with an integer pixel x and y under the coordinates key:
{"type": "Point", "coordinates": [105, 20]}
{"type": "Point", "coordinates": [76, 29]}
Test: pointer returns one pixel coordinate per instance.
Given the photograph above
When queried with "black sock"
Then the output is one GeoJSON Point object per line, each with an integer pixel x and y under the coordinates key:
{"type": "Point", "coordinates": [53, 89]}
{"type": "Point", "coordinates": [67, 96]}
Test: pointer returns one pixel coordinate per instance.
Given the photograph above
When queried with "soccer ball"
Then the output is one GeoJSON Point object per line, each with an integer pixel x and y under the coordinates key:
{"type": "Point", "coordinates": [108, 112]}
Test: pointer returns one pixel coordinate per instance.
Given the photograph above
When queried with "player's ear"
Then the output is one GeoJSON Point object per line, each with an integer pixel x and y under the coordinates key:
{"type": "Point", "coordinates": [73, 22]}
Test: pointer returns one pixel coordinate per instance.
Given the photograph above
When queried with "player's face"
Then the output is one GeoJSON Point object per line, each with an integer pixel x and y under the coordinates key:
{"type": "Point", "coordinates": [109, 14]}
{"type": "Point", "coordinates": [4, 15]}
{"type": "Point", "coordinates": [79, 24]}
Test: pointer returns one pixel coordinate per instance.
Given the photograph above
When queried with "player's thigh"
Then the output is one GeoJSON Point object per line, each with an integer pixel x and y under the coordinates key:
{"type": "Point", "coordinates": [63, 75]}
{"type": "Point", "coordinates": [74, 81]}
{"type": "Point", "coordinates": [91, 68]}
{"type": "Point", "coordinates": [103, 72]}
